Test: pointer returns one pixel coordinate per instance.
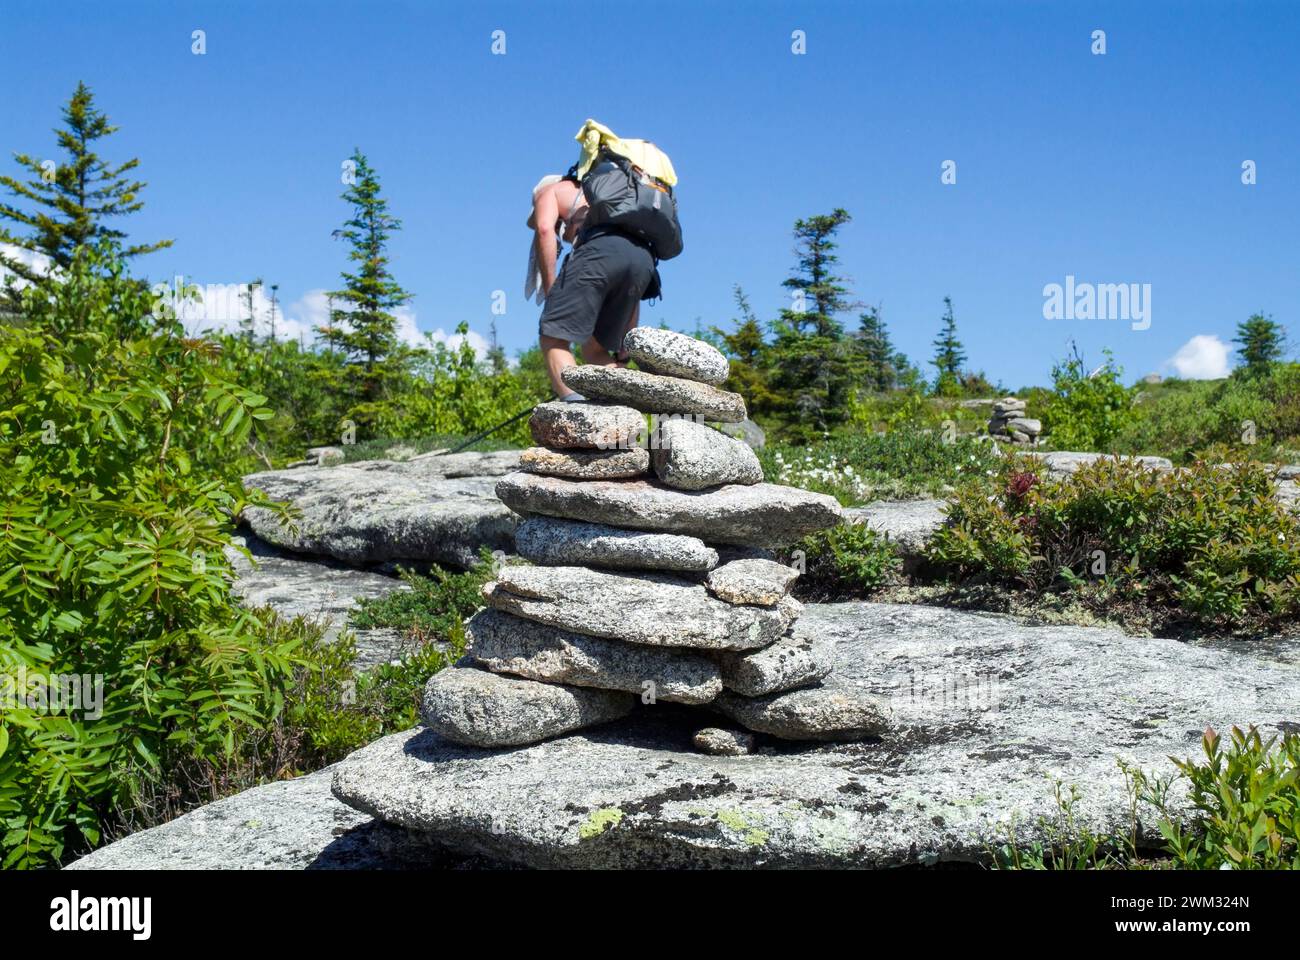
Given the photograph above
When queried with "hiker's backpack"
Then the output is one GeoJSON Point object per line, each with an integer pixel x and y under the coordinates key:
{"type": "Point", "coordinates": [622, 196]}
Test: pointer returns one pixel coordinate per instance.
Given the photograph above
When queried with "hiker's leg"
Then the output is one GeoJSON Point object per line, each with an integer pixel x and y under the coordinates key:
{"type": "Point", "coordinates": [570, 312]}
{"type": "Point", "coordinates": [593, 352]}
{"type": "Point", "coordinates": [558, 356]}
{"type": "Point", "coordinates": [631, 267]}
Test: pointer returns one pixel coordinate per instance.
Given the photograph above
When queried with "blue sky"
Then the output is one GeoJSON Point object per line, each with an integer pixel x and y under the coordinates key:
{"type": "Point", "coordinates": [1119, 168]}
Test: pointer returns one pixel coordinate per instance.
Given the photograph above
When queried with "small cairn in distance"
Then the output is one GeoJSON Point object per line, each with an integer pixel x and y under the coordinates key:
{"type": "Point", "coordinates": [1010, 425]}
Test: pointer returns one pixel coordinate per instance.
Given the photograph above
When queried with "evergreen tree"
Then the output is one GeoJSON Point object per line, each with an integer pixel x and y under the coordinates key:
{"type": "Point", "coordinates": [746, 344]}
{"type": "Point", "coordinates": [275, 300]}
{"type": "Point", "coordinates": [496, 354]}
{"type": "Point", "coordinates": [812, 362]}
{"type": "Point", "coordinates": [949, 354]}
{"type": "Point", "coordinates": [362, 327]}
{"type": "Point", "coordinates": [822, 294]}
{"type": "Point", "coordinates": [883, 366]}
{"type": "Point", "coordinates": [70, 201]}
{"type": "Point", "coordinates": [248, 324]}
{"type": "Point", "coordinates": [1263, 343]}
{"type": "Point", "coordinates": [748, 352]}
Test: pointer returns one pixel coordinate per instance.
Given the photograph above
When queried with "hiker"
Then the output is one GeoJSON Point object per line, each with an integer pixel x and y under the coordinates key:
{"type": "Point", "coordinates": [596, 296]}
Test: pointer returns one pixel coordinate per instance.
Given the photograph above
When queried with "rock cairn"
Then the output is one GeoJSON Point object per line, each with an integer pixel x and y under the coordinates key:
{"type": "Point", "coordinates": [319, 457]}
{"type": "Point", "coordinates": [1010, 425]}
{"type": "Point", "coordinates": [650, 577]}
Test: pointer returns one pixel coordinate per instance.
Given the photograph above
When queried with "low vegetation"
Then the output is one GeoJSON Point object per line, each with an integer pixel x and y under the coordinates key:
{"type": "Point", "coordinates": [1205, 545]}
{"type": "Point", "coordinates": [1087, 410]}
{"type": "Point", "coordinates": [901, 464]}
{"type": "Point", "coordinates": [844, 563]}
{"type": "Point", "coordinates": [388, 449]}
{"type": "Point", "coordinates": [1240, 417]}
{"type": "Point", "coordinates": [1243, 813]}
{"type": "Point", "coordinates": [435, 607]}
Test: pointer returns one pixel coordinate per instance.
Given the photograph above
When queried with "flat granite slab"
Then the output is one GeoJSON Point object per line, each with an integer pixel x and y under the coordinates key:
{"type": "Point", "coordinates": [288, 825]}
{"type": "Point", "coordinates": [296, 586]}
{"type": "Point", "coordinates": [759, 515]}
{"type": "Point", "coordinates": [378, 511]}
{"type": "Point", "coordinates": [987, 712]}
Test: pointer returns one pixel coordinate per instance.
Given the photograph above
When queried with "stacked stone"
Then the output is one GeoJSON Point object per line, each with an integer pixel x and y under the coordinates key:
{"type": "Point", "coordinates": [650, 576]}
{"type": "Point", "coordinates": [1010, 424]}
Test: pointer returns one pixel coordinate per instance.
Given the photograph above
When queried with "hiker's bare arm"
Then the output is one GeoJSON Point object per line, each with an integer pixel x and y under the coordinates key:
{"type": "Point", "coordinates": [545, 214]}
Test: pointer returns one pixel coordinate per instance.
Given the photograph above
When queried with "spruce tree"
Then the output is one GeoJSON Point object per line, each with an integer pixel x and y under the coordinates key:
{"type": "Point", "coordinates": [949, 354]}
{"type": "Point", "coordinates": [1263, 343]}
{"type": "Point", "coordinates": [823, 292]}
{"type": "Point", "coordinates": [810, 357]}
{"type": "Point", "coordinates": [70, 201]}
{"type": "Point", "coordinates": [746, 344]}
{"type": "Point", "coordinates": [362, 327]}
{"type": "Point", "coordinates": [496, 355]}
{"type": "Point", "coordinates": [248, 325]}
{"type": "Point", "coordinates": [749, 350]}
{"type": "Point", "coordinates": [881, 367]}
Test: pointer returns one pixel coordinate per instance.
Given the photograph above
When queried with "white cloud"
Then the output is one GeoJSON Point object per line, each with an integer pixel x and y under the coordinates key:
{"type": "Point", "coordinates": [37, 261]}
{"type": "Point", "coordinates": [408, 332]}
{"type": "Point", "coordinates": [1204, 357]}
{"type": "Point", "coordinates": [477, 341]}
{"type": "Point", "coordinates": [225, 306]}
{"type": "Point", "coordinates": [311, 310]}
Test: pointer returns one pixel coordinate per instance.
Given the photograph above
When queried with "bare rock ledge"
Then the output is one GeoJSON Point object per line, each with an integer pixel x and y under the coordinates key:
{"type": "Point", "coordinates": [986, 712]}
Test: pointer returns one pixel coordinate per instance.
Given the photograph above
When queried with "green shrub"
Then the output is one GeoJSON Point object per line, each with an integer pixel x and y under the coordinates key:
{"type": "Point", "coordinates": [434, 398]}
{"type": "Point", "coordinates": [1240, 417]}
{"type": "Point", "coordinates": [432, 614]}
{"type": "Point", "coordinates": [118, 444]}
{"type": "Point", "coordinates": [986, 532]}
{"type": "Point", "coordinates": [1244, 814]}
{"type": "Point", "coordinates": [295, 382]}
{"type": "Point", "coordinates": [1210, 543]}
{"type": "Point", "coordinates": [328, 712]}
{"type": "Point", "coordinates": [1246, 805]}
{"type": "Point", "coordinates": [334, 712]}
{"type": "Point", "coordinates": [451, 392]}
{"type": "Point", "coordinates": [312, 703]}
{"type": "Point", "coordinates": [845, 563]}
{"type": "Point", "coordinates": [435, 607]}
{"type": "Point", "coordinates": [1087, 411]}
{"type": "Point", "coordinates": [912, 411]}
{"type": "Point", "coordinates": [392, 692]}
{"type": "Point", "coordinates": [1066, 843]}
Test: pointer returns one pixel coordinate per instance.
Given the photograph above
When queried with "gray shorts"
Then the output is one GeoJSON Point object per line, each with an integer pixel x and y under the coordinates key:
{"type": "Point", "coordinates": [599, 286]}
